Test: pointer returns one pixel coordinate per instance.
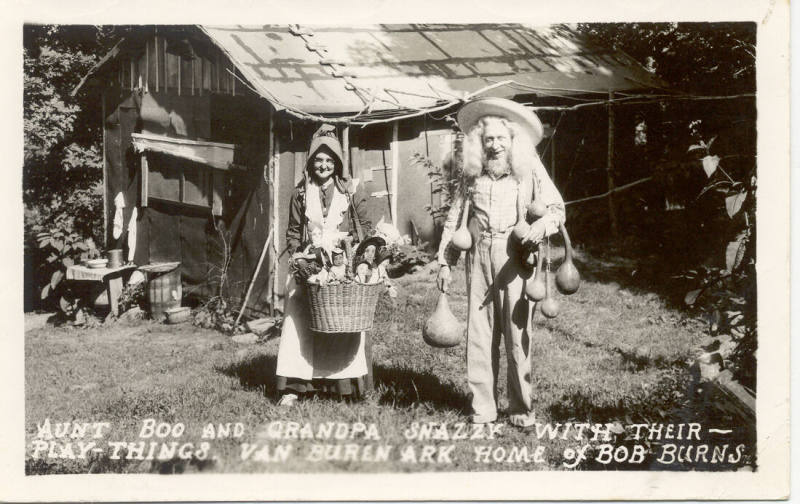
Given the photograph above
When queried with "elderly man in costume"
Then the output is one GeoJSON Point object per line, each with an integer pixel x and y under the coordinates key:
{"type": "Point", "coordinates": [325, 208]}
{"type": "Point", "coordinates": [501, 171]}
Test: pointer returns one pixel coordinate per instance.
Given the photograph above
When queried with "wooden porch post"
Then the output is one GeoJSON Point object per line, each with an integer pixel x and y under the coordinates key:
{"type": "Point", "coordinates": [272, 167]}
{"type": "Point", "coordinates": [553, 156]}
{"type": "Point", "coordinates": [346, 151]}
{"type": "Point", "coordinates": [612, 211]}
{"type": "Point", "coordinates": [395, 175]}
{"type": "Point", "coordinates": [105, 168]}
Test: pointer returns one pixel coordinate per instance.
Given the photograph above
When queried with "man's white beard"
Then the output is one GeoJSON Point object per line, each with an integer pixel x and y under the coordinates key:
{"type": "Point", "coordinates": [496, 167]}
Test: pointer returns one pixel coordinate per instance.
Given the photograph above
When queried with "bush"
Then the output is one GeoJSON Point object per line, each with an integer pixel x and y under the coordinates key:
{"type": "Point", "coordinates": [408, 258]}
{"type": "Point", "coordinates": [133, 296]}
{"type": "Point", "coordinates": [217, 314]}
{"type": "Point", "coordinates": [62, 171]}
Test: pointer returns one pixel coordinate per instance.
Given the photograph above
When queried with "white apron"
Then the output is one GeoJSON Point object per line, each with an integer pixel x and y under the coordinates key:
{"type": "Point", "coordinates": [305, 354]}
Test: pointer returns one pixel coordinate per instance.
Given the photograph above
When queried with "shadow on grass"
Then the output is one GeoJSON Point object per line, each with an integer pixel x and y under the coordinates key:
{"type": "Point", "coordinates": [662, 402]}
{"type": "Point", "coordinates": [640, 276]}
{"type": "Point", "coordinates": [637, 359]}
{"type": "Point", "coordinates": [403, 387]}
{"type": "Point", "coordinates": [395, 386]}
{"type": "Point", "coordinates": [256, 373]}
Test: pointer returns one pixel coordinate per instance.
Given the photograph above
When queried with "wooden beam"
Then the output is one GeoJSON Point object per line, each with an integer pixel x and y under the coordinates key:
{"type": "Point", "coordinates": [216, 68]}
{"type": "Point", "coordinates": [553, 157]}
{"type": "Point", "coordinates": [157, 62]}
{"type": "Point", "coordinates": [274, 172]}
{"type": "Point", "coordinates": [347, 169]}
{"type": "Point", "coordinates": [166, 67]}
{"type": "Point", "coordinates": [147, 66]}
{"type": "Point", "coordinates": [145, 175]}
{"type": "Point", "coordinates": [395, 177]}
{"type": "Point", "coordinates": [612, 210]}
{"type": "Point", "coordinates": [105, 165]}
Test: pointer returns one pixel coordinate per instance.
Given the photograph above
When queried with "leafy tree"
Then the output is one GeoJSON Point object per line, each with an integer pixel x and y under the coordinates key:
{"type": "Point", "coordinates": [62, 171]}
{"type": "Point", "coordinates": [699, 58]}
{"type": "Point", "coordinates": [703, 153]}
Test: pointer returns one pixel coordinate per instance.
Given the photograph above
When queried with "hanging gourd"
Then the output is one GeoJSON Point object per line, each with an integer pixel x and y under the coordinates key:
{"type": "Point", "coordinates": [442, 329]}
{"type": "Point", "coordinates": [536, 210]}
{"type": "Point", "coordinates": [462, 239]}
{"type": "Point", "coordinates": [567, 277]}
{"type": "Point", "coordinates": [549, 305]}
{"type": "Point", "coordinates": [535, 288]}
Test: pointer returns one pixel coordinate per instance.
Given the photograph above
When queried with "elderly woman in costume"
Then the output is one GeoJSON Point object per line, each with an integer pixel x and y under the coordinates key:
{"type": "Point", "coordinates": [500, 165]}
{"type": "Point", "coordinates": [323, 212]}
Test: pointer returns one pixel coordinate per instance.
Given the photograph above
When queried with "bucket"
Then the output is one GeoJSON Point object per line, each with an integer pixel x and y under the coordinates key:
{"type": "Point", "coordinates": [164, 290]}
{"type": "Point", "coordinates": [114, 258]}
{"type": "Point", "coordinates": [177, 315]}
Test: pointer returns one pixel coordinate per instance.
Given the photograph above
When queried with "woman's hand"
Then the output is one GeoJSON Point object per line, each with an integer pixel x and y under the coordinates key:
{"type": "Point", "coordinates": [443, 279]}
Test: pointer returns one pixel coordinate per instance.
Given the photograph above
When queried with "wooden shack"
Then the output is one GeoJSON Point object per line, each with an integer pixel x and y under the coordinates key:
{"type": "Point", "coordinates": [206, 127]}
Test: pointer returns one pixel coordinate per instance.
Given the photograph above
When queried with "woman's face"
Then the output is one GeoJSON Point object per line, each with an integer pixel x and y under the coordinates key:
{"type": "Point", "coordinates": [322, 167]}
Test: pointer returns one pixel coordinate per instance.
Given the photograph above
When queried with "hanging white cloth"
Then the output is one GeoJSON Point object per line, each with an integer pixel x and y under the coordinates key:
{"type": "Point", "coordinates": [132, 233]}
{"type": "Point", "coordinates": [119, 204]}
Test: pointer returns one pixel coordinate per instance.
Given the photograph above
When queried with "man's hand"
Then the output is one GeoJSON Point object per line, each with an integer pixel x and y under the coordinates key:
{"type": "Point", "coordinates": [443, 280]}
{"type": "Point", "coordinates": [535, 233]}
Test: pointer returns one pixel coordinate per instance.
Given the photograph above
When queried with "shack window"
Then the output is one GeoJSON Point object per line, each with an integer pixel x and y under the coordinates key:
{"type": "Point", "coordinates": [179, 181]}
{"type": "Point", "coordinates": [164, 181]}
{"type": "Point", "coordinates": [183, 171]}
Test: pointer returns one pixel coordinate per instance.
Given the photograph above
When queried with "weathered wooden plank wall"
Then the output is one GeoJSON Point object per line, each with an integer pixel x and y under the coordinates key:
{"type": "Point", "coordinates": [158, 87]}
{"type": "Point", "coordinates": [188, 90]}
{"type": "Point", "coordinates": [176, 62]}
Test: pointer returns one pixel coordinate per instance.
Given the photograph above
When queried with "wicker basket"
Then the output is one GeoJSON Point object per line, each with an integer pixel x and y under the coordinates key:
{"type": "Point", "coordinates": [343, 307]}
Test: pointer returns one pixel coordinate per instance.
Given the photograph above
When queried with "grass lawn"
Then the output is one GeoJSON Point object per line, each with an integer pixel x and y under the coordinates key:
{"type": "Point", "coordinates": [615, 354]}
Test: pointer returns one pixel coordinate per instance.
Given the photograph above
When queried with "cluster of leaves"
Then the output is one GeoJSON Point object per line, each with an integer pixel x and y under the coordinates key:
{"type": "Point", "coordinates": [722, 54]}
{"type": "Point", "coordinates": [132, 296]}
{"type": "Point", "coordinates": [218, 314]}
{"type": "Point", "coordinates": [443, 182]}
{"type": "Point", "coordinates": [407, 258]}
{"type": "Point", "coordinates": [62, 172]}
{"type": "Point", "coordinates": [727, 295]}
{"type": "Point", "coordinates": [64, 246]}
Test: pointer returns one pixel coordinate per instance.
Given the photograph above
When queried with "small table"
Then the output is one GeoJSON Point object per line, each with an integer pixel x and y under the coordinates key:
{"type": "Point", "coordinates": [112, 278]}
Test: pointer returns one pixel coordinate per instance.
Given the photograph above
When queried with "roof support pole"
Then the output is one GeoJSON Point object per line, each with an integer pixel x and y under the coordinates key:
{"type": "Point", "coordinates": [274, 168]}
{"type": "Point", "coordinates": [395, 176]}
{"type": "Point", "coordinates": [346, 150]}
{"type": "Point", "coordinates": [155, 38]}
{"type": "Point", "coordinates": [612, 211]}
{"type": "Point", "coordinates": [105, 168]}
{"type": "Point", "coordinates": [553, 156]}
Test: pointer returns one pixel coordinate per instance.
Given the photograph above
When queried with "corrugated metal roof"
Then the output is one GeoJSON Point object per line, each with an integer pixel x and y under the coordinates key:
{"type": "Point", "coordinates": [382, 69]}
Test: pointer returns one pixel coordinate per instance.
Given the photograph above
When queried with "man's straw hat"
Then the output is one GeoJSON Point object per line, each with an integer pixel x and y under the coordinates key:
{"type": "Point", "coordinates": [471, 113]}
